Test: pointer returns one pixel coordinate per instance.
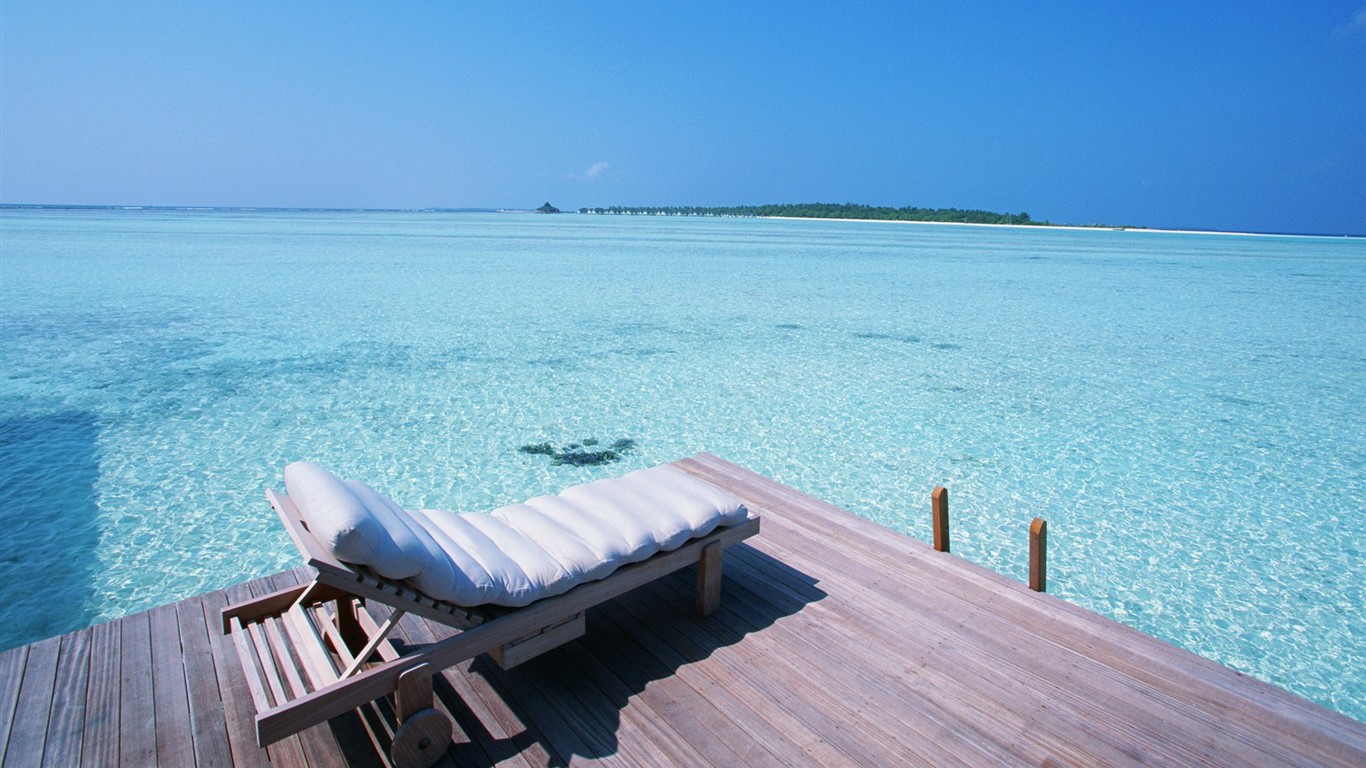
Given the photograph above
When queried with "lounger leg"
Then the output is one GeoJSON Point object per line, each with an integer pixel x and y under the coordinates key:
{"type": "Point", "coordinates": [348, 625]}
{"type": "Point", "coordinates": [423, 733]}
{"type": "Point", "coordinates": [709, 579]}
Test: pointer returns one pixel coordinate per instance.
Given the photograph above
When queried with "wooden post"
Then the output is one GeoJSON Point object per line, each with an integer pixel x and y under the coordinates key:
{"type": "Point", "coordinates": [939, 512]}
{"type": "Point", "coordinates": [709, 579]}
{"type": "Point", "coordinates": [1038, 555]}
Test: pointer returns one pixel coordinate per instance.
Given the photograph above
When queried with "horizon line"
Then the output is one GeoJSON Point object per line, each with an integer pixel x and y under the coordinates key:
{"type": "Point", "coordinates": [480, 209]}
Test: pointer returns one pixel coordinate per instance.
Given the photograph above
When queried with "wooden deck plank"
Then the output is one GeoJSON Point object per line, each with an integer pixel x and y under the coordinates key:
{"type": "Point", "coordinates": [137, 719]}
{"type": "Point", "coordinates": [645, 735]}
{"type": "Point", "coordinates": [960, 630]}
{"type": "Point", "coordinates": [747, 612]}
{"type": "Point", "coordinates": [208, 726]}
{"type": "Point", "coordinates": [171, 706]}
{"type": "Point", "coordinates": [876, 672]}
{"type": "Point", "coordinates": [569, 734]}
{"type": "Point", "coordinates": [66, 721]}
{"type": "Point", "coordinates": [28, 728]}
{"type": "Point", "coordinates": [11, 680]}
{"type": "Point", "coordinates": [100, 735]}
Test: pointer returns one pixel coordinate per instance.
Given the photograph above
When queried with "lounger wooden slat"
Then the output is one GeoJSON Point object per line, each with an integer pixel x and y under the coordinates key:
{"type": "Point", "coordinates": [317, 663]}
{"type": "Point", "coordinates": [424, 605]}
{"type": "Point", "coordinates": [279, 648]}
{"type": "Point", "coordinates": [255, 675]}
{"type": "Point", "coordinates": [267, 663]}
{"type": "Point", "coordinates": [318, 744]}
{"type": "Point", "coordinates": [332, 637]}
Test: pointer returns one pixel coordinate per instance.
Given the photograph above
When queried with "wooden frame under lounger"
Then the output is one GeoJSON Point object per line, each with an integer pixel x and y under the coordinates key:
{"type": "Point", "coordinates": [309, 651]}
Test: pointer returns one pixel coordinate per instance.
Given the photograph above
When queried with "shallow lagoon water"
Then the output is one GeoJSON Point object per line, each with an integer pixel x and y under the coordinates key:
{"type": "Point", "coordinates": [1187, 411]}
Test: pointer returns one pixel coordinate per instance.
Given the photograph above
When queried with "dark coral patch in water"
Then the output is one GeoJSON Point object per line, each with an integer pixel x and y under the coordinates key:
{"type": "Point", "coordinates": [578, 454]}
{"type": "Point", "coordinates": [886, 337]}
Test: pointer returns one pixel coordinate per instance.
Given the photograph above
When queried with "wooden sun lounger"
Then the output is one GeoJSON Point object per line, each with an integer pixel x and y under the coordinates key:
{"type": "Point", "coordinates": [313, 651]}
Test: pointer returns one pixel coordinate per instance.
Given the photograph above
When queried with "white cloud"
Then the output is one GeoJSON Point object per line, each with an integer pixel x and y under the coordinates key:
{"type": "Point", "coordinates": [598, 170]}
{"type": "Point", "coordinates": [1356, 26]}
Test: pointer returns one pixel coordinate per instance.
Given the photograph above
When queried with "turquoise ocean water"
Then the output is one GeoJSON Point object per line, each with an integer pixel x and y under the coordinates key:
{"type": "Point", "coordinates": [1187, 411]}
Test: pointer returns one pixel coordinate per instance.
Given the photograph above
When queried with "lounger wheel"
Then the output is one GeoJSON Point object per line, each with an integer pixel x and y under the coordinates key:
{"type": "Point", "coordinates": [421, 739]}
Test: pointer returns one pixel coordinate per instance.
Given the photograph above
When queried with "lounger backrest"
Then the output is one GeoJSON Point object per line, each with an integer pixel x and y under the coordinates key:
{"type": "Point", "coordinates": [358, 525]}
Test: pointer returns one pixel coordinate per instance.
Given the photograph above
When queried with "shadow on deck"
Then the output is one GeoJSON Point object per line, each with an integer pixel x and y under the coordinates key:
{"type": "Point", "coordinates": [566, 705]}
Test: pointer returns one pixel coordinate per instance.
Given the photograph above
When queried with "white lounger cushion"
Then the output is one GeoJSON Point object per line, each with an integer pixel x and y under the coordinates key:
{"type": "Point", "coordinates": [519, 553]}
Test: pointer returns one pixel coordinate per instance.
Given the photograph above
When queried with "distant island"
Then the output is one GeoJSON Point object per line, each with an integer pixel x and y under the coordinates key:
{"type": "Point", "coordinates": [547, 208]}
{"type": "Point", "coordinates": [835, 211]}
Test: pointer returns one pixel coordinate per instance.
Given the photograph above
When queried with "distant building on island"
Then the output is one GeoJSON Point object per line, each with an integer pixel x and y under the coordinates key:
{"type": "Point", "coordinates": [547, 208]}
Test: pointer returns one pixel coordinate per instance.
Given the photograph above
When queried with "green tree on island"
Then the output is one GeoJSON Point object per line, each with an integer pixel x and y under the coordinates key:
{"type": "Point", "coordinates": [828, 211]}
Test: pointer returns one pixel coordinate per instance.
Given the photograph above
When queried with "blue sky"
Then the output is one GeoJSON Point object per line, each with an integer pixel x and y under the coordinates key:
{"type": "Point", "coordinates": [1220, 115]}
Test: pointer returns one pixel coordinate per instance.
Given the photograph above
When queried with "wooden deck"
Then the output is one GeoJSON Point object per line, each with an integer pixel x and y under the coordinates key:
{"type": "Point", "coordinates": [838, 642]}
